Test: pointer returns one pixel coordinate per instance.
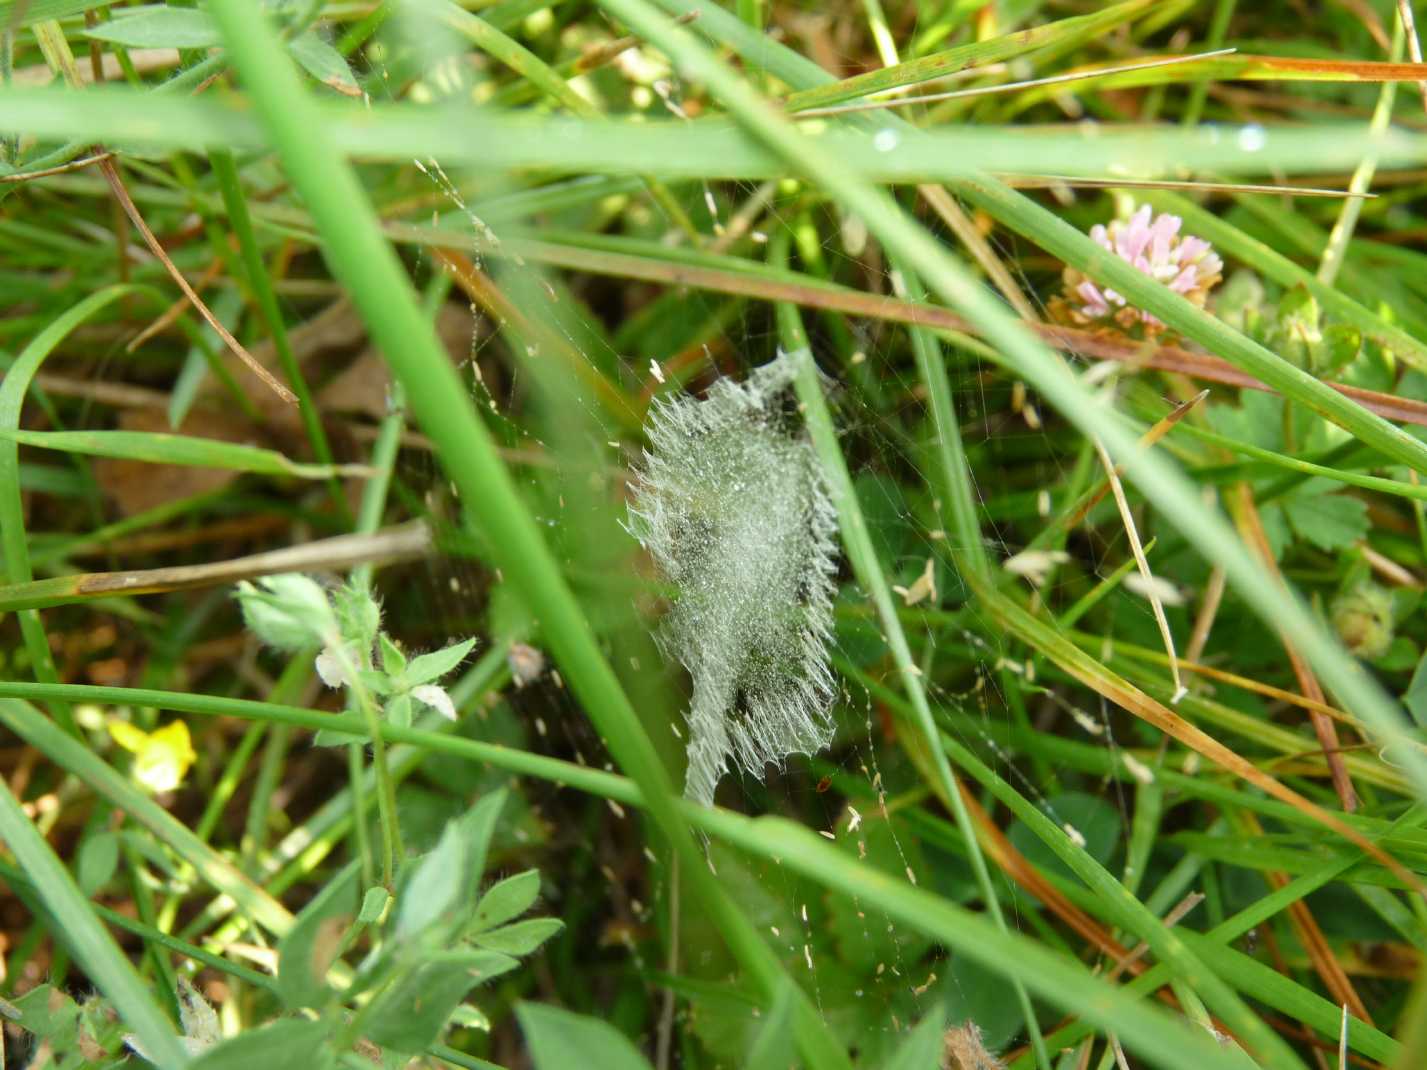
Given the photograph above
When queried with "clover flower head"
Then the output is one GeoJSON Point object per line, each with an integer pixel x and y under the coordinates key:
{"type": "Point", "coordinates": [1154, 245]}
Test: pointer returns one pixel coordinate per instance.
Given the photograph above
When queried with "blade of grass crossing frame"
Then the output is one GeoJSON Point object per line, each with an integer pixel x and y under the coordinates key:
{"type": "Point", "coordinates": [91, 943]}
{"type": "Point", "coordinates": [858, 542]}
{"type": "Point", "coordinates": [363, 261]}
{"type": "Point", "coordinates": [1161, 482]}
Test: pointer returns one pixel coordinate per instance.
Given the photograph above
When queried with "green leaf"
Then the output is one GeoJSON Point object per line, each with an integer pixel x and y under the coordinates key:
{"type": "Point", "coordinates": [49, 1014]}
{"type": "Point", "coordinates": [521, 938]}
{"type": "Point", "coordinates": [1328, 521]}
{"type": "Point", "coordinates": [1257, 420]}
{"type": "Point", "coordinates": [410, 1015]}
{"type": "Point", "coordinates": [427, 667]}
{"type": "Point", "coordinates": [311, 945]}
{"type": "Point", "coordinates": [923, 1049]}
{"type": "Point", "coordinates": [164, 27]}
{"type": "Point", "coordinates": [398, 711]}
{"type": "Point", "coordinates": [21, 13]}
{"type": "Point", "coordinates": [507, 899]}
{"type": "Point", "coordinates": [444, 880]}
{"type": "Point", "coordinates": [325, 63]}
{"type": "Point", "coordinates": [333, 737]}
{"type": "Point", "coordinates": [393, 660]}
{"type": "Point", "coordinates": [373, 903]}
{"type": "Point", "coordinates": [290, 1044]}
{"type": "Point", "coordinates": [479, 825]}
{"type": "Point", "coordinates": [774, 1047]}
{"type": "Point", "coordinates": [972, 993]}
{"type": "Point", "coordinates": [433, 891]}
{"type": "Point", "coordinates": [1091, 817]}
{"type": "Point", "coordinates": [98, 859]}
{"type": "Point", "coordinates": [559, 1039]}
{"type": "Point", "coordinates": [1415, 698]}
{"type": "Point", "coordinates": [1275, 528]}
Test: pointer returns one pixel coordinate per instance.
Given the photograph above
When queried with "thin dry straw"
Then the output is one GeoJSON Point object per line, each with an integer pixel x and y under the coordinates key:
{"type": "Point", "coordinates": [1151, 592]}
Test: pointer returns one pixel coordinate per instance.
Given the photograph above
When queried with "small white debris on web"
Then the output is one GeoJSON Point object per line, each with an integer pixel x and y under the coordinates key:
{"type": "Point", "coordinates": [828, 834]}
{"type": "Point", "coordinates": [911, 876]}
{"type": "Point", "coordinates": [922, 588]}
{"type": "Point", "coordinates": [656, 371]}
{"type": "Point", "coordinates": [1151, 587]}
{"type": "Point", "coordinates": [1074, 834]}
{"type": "Point", "coordinates": [808, 954]}
{"type": "Point", "coordinates": [732, 505]}
{"type": "Point", "coordinates": [1137, 769]}
{"type": "Point", "coordinates": [854, 820]}
{"type": "Point", "coordinates": [616, 808]}
{"type": "Point", "coordinates": [1085, 721]}
{"type": "Point", "coordinates": [526, 663]}
{"type": "Point", "coordinates": [1034, 565]}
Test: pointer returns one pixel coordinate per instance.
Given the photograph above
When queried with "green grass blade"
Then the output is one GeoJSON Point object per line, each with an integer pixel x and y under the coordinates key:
{"type": "Point", "coordinates": [857, 539]}
{"type": "Point", "coordinates": [894, 152]}
{"type": "Point", "coordinates": [92, 945]}
{"type": "Point", "coordinates": [159, 447]}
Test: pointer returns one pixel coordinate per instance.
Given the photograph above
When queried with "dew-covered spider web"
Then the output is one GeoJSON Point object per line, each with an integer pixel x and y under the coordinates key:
{"type": "Point", "coordinates": [762, 704]}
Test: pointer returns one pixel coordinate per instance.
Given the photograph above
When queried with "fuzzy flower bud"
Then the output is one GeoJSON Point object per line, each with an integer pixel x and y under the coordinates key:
{"type": "Point", "coordinates": [1153, 244]}
{"type": "Point", "coordinates": [1362, 618]}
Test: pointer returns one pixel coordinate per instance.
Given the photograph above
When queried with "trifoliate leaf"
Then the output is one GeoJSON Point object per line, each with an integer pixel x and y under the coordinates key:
{"type": "Point", "coordinates": [507, 899]}
{"type": "Point", "coordinates": [521, 938]}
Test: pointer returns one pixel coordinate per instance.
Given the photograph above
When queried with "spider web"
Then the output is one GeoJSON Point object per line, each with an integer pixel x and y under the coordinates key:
{"type": "Point", "coordinates": [871, 977]}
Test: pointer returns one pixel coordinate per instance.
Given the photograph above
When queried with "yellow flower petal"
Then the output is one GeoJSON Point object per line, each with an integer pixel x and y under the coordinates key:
{"type": "Point", "coordinates": [130, 737]}
{"type": "Point", "coordinates": [162, 757]}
